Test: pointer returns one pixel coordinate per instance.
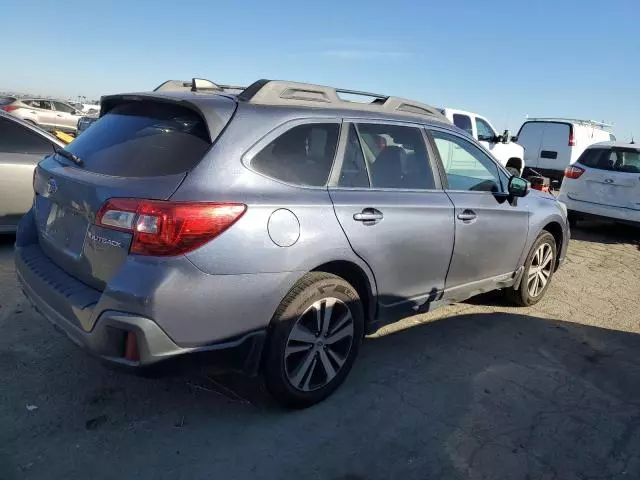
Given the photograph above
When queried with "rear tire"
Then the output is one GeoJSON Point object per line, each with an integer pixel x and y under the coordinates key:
{"type": "Point", "coordinates": [538, 272]}
{"type": "Point", "coordinates": [314, 338]}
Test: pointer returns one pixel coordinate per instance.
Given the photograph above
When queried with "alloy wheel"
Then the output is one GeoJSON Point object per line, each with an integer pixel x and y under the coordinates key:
{"type": "Point", "coordinates": [318, 344]}
{"type": "Point", "coordinates": [540, 270]}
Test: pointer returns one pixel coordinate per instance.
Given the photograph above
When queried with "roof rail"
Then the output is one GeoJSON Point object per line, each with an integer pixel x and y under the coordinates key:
{"type": "Point", "coordinates": [196, 85]}
{"type": "Point", "coordinates": [573, 120]}
{"type": "Point", "coordinates": [279, 92]}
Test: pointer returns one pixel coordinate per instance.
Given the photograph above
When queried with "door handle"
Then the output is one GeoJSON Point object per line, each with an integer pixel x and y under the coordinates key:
{"type": "Point", "coordinates": [58, 115]}
{"type": "Point", "coordinates": [467, 215]}
{"type": "Point", "coordinates": [368, 215]}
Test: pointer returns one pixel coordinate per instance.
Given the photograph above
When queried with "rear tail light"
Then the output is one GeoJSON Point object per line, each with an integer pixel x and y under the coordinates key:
{"type": "Point", "coordinates": [573, 172]}
{"type": "Point", "coordinates": [10, 108]}
{"type": "Point", "coordinates": [163, 228]}
{"type": "Point", "coordinates": [572, 139]}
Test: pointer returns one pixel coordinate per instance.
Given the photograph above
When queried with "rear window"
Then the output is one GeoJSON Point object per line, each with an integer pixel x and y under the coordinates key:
{"type": "Point", "coordinates": [300, 156]}
{"type": "Point", "coordinates": [615, 160]}
{"type": "Point", "coordinates": [143, 139]}
{"type": "Point", "coordinates": [6, 100]}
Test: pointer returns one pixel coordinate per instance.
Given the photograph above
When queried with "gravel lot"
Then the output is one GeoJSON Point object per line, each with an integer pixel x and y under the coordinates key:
{"type": "Point", "coordinates": [476, 390]}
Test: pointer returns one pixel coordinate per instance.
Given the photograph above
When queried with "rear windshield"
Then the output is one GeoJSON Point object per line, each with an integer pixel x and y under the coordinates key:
{"type": "Point", "coordinates": [143, 139]}
{"type": "Point", "coordinates": [6, 100]}
{"type": "Point", "coordinates": [617, 159]}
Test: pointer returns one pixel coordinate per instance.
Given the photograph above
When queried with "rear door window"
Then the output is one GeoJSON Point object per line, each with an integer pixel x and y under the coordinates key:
{"type": "Point", "coordinates": [15, 138]}
{"type": "Point", "coordinates": [615, 160]}
{"type": "Point", "coordinates": [463, 122]}
{"type": "Point", "coordinates": [63, 107]}
{"type": "Point", "coordinates": [301, 156]}
{"type": "Point", "coordinates": [143, 139]}
{"type": "Point", "coordinates": [400, 161]}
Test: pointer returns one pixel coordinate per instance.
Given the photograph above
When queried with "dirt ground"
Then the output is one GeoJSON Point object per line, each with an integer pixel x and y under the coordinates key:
{"type": "Point", "coordinates": [477, 390]}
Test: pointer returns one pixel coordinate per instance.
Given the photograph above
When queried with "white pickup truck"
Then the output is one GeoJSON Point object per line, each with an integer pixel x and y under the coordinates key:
{"type": "Point", "coordinates": [508, 153]}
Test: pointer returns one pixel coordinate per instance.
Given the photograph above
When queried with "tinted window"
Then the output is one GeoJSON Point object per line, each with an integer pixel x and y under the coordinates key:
{"type": "Point", "coordinates": [44, 104]}
{"type": "Point", "coordinates": [466, 166]}
{"type": "Point", "coordinates": [354, 170]}
{"type": "Point", "coordinates": [301, 156]}
{"type": "Point", "coordinates": [63, 107]}
{"type": "Point", "coordinates": [402, 162]}
{"type": "Point", "coordinates": [463, 122]}
{"type": "Point", "coordinates": [6, 100]}
{"type": "Point", "coordinates": [485, 132]}
{"type": "Point", "coordinates": [15, 138]}
{"type": "Point", "coordinates": [142, 140]}
{"type": "Point", "coordinates": [616, 160]}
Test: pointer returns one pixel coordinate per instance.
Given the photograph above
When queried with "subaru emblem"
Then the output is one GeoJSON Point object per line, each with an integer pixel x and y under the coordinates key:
{"type": "Point", "coordinates": [52, 186]}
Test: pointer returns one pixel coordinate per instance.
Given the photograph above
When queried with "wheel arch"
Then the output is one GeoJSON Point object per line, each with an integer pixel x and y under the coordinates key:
{"type": "Point", "coordinates": [359, 279]}
{"type": "Point", "coordinates": [555, 229]}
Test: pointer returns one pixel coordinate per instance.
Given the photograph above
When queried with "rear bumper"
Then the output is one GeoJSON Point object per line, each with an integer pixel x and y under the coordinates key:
{"type": "Point", "coordinates": [100, 324]}
{"type": "Point", "coordinates": [596, 210]}
{"type": "Point", "coordinates": [107, 340]}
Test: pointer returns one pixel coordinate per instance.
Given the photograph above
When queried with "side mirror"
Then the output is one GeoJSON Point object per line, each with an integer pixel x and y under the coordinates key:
{"type": "Point", "coordinates": [506, 136]}
{"type": "Point", "coordinates": [518, 187]}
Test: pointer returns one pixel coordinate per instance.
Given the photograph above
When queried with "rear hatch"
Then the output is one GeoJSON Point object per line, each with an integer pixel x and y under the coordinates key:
{"type": "Point", "coordinates": [142, 147]}
{"type": "Point", "coordinates": [611, 178]}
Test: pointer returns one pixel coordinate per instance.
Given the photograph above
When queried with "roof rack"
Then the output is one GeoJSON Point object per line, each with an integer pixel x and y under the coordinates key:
{"type": "Point", "coordinates": [196, 85]}
{"type": "Point", "coordinates": [573, 120]}
{"type": "Point", "coordinates": [279, 92]}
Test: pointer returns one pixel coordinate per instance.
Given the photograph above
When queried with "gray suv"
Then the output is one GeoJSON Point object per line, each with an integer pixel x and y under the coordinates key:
{"type": "Point", "coordinates": [269, 230]}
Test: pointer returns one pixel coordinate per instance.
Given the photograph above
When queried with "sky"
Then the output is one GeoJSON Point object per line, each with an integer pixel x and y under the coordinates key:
{"type": "Point", "coordinates": [502, 59]}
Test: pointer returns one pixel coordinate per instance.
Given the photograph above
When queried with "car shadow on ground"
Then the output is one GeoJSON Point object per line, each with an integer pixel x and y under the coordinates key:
{"type": "Point", "coordinates": [472, 396]}
{"type": "Point", "coordinates": [606, 232]}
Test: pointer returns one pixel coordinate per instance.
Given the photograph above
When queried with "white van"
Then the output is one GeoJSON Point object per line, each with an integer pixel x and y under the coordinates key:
{"type": "Point", "coordinates": [552, 144]}
{"type": "Point", "coordinates": [509, 154]}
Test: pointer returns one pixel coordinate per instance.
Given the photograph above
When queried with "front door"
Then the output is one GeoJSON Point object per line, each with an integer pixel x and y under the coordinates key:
{"type": "Point", "coordinates": [490, 231]}
{"type": "Point", "coordinates": [394, 212]}
{"type": "Point", "coordinates": [66, 116]}
{"type": "Point", "coordinates": [46, 116]}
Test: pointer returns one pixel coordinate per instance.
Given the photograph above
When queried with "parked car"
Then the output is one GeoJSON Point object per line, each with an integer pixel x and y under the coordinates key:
{"type": "Point", "coordinates": [260, 229]}
{"type": "Point", "coordinates": [85, 122]}
{"type": "Point", "coordinates": [552, 144]}
{"type": "Point", "coordinates": [508, 153]}
{"type": "Point", "coordinates": [604, 182]}
{"type": "Point", "coordinates": [22, 146]}
{"type": "Point", "coordinates": [86, 108]}
{"type": "Point", "coordinates": [45, 113]}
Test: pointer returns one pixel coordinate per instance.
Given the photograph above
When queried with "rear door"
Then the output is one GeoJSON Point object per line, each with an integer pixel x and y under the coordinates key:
{"type": "Point", "coordinates": [138, 149]}
{"type": "Point", "coordinates": [394, 212]}
{"type": "Point", "coordinates": [530, 137]}
{"type": "Point", "coordinates": [20, 150]}
{"type": "Point", "coordinates": [554, 150]}
{"type": "Point", "coordinates": [44, 112]}
{"type": "Point", "coordinates": [611, 178]}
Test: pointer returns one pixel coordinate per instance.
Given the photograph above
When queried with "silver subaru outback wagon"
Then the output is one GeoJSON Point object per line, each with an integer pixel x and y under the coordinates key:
{"type": "Point", "coordinates": [270, 229]}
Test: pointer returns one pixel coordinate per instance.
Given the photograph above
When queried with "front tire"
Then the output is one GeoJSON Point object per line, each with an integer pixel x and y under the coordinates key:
{"type": "Point", "coordinates": [538, 272]}
{"type": "Point", "coordinates": [314, 339]}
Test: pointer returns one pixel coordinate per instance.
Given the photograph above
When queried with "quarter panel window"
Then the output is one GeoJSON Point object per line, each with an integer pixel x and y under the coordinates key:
{"type": "Point", "coordinates": [302, 155]}
{"type": "Point", "coordinates": [466, 166]}
{"type": "Point", "coordinates": [397, 157]}
{"type": "Point", "coordinates": [354, 170]}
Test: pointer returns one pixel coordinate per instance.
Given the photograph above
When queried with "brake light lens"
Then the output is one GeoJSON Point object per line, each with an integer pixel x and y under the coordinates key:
{"type": "Point", "coordinates": [572, 139]}
{"type": "Point", "coordinates": [10, 108]}
{"type": "Point", "coordinates": [164, 228]}
{"type": "Point", "coordinates": [573, 172]}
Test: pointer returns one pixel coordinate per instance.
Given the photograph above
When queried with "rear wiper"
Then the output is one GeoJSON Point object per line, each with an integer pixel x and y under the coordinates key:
{"type": "Point", "coordinates": [70, 156]}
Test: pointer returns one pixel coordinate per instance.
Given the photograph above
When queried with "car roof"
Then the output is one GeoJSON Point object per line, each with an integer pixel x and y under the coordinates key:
{"type": "Point", "coordinates": [206, 101]}
{"type": "Point", "coordinates": [31, 127]}
{"type": "Point", "coordinates": [616, 144]}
